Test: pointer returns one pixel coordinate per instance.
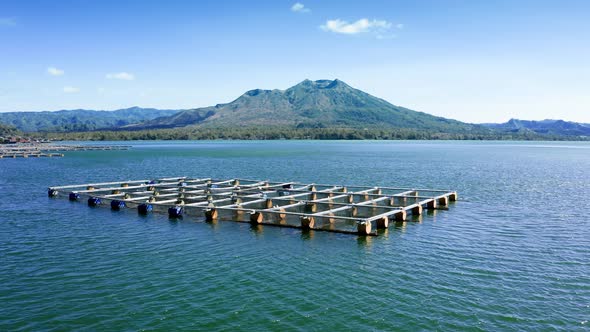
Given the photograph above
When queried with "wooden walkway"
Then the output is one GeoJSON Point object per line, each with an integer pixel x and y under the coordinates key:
{"type": "Point", "coordinates": [49, 150]}
{"type": "Point", "coordinates": [334, 208]}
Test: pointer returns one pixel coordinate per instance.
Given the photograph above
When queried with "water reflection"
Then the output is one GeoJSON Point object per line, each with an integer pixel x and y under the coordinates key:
{"type": "Point", "coordinates": [307, 234]}
{"type": "Point", "coordinates": [365, 241]}
{"type": "Point", "coordinates": [257, 229]}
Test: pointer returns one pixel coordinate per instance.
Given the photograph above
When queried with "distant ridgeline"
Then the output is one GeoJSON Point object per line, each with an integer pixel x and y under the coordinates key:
{"type": "Point", "coordinates": [79, 120]}
{"type": "Point", "coordinates": [324, 109]}
{"type": "Point", "coordinates": [545, 127]}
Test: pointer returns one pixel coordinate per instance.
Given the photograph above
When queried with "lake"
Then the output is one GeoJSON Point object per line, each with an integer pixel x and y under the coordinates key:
{"type": "Point", "coordinates": [512, 254]}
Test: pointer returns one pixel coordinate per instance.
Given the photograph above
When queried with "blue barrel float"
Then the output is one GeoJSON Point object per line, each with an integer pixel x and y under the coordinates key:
{"type": "Point", "coordinates": [117, 205]}
{"type": "Point", "coordinates": [144, 208]}
{"type": "Point", "coordinates": [94, 201]}
{"type": "Point", "coordinates": [74, 196]}
{"type": "Point", "coordinates": [175, 212]}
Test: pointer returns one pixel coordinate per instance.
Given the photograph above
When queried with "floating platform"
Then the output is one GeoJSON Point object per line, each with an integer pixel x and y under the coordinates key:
{"type": "Point", "coordinates": [31, 154]}
{"type": "Point", "coordinates": [50, 150]}
{"type": "Point", "coordinates": [357, 210]}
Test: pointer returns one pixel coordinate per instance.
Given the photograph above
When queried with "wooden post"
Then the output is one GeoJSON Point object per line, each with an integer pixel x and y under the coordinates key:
{"type": "Point", "coordinates": [268, 203]}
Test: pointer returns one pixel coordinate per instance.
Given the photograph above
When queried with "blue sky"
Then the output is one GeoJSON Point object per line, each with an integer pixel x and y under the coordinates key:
{"type": "Point", "coordinates": [475, 61]}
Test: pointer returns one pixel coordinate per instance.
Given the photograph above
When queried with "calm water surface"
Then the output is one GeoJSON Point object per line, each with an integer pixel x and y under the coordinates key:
{"type": "Point", "coordinates": [512, 254]}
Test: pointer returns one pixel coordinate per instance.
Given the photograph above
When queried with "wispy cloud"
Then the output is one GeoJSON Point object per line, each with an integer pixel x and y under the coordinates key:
{"type": "Point", "coordinates": [298, 7]}
{"type": "Point", "coordinates": [121, 76]}
{"type": "Point", "coordinates": [54, 71]}
{"type": "Point", "coordinates": [7, 21]}
{"type": "Point", "coordinates": [381, 29]}
{"type": "Point", "coordinates": [71, 89]}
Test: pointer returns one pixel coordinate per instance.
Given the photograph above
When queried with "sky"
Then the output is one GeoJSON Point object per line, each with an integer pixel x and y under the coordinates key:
{"type": "Point", "coordinates": [474, 61]}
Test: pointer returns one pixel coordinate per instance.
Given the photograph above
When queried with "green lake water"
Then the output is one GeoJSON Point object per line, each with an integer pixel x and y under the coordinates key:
{"type": "Point", "coordinates": [512, 254]}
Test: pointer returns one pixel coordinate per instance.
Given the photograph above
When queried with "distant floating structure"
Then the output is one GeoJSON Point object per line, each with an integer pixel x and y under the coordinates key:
{"type": "Point", "coordinates": [357, 210]}
{"type": "Point", "coordinates": [50, 150]}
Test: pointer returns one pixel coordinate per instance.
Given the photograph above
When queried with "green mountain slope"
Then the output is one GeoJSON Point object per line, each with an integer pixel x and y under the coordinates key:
{"type": "Point", "coordinates": [80, 120]}
{"type": "Point", "coordinates": [6, 130]}
{"type": "Point", "coordinates": [309, 104]}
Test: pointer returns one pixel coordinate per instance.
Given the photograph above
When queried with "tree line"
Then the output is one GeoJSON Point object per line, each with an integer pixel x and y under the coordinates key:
{"type": "Point", "coordinates": [278, 133]}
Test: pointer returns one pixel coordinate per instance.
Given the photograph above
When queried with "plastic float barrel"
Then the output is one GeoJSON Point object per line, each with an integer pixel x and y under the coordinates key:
{"type": "Point", "coordinates": [74, 196]}
{"type": "Point", "coordinates": [307, 223]}
{"type": "Point", "coordinates": [175, 212]}
{"type": "Point", "coordinates": [211, 214]}
{"type": "Point", "coordinates": [52, 192]}
{"type": "Point", "coordinates": [117, 204]}
{"type": "Point", "coordinates": [144, 208]}
{"type": "Point", "coordinates": [94, 201]}
{"type": "Point", "coordinates": [364, 227]}
{"type": "Point", "coordinates": [256, 217]}
{"type": "Point", "coordinates": [383, 223]}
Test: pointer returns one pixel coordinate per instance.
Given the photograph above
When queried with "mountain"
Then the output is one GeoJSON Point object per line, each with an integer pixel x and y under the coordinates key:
{"type": "Point", "coordinates": [309, 104]}
{"type": "Point", "coordinates": [544, 127]}
{"type": "Point", "coordinates": [79, 120]}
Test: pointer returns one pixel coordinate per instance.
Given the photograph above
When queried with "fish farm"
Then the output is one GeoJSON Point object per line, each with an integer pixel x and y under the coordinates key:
{"type": "Point", "coordinates": [50, 150]}
{"type": "Point", "coordinates": [360, 210]}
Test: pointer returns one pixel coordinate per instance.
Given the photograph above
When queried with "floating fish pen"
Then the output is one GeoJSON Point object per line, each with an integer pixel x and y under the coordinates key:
{"type": "Point", "coordinates": [333, 208]}
{"type": "Point", "coordinates": [31, 154]}
{"type": "Point", "coordinates": [50, 150]}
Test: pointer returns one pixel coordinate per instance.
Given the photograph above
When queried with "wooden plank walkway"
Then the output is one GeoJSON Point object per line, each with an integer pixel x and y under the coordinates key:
{"type": "Point", "coordinates": [334, 208]}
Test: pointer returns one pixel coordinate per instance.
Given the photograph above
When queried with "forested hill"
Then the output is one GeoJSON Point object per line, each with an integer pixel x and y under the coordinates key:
{"type": "Point", "coordinates": [544, 127]}
{"type": "Point", "coordinates": [79, 120]}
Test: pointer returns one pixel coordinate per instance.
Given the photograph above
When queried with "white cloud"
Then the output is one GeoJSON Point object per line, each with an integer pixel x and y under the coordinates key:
{"type": "Point", "coordinates": [399, 26]}
{"type": "Point", "coordinates": [120, 76]}
{"type": "Point", "coordinates": [361, 26]}
{"type": "Point", "coordinates": [71, 89]}
{"type": "Point", "coordinates": [298, 7]}
{"type": "Point", "coordinates": [7, 21]}
{"type": "Point", "coordinates": [54, 71]}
